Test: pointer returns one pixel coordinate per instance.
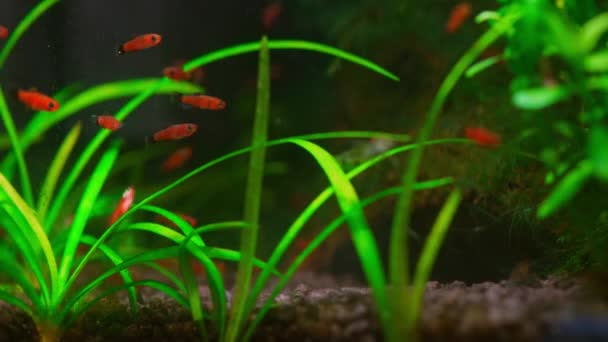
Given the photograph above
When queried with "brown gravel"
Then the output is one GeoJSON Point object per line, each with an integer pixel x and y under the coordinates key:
{"type": "Point", "coordinates": [541, 310]}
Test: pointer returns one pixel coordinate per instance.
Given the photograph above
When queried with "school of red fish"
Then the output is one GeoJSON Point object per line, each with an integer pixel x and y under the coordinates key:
{"type": "Point", "coordinates": [39, 101]}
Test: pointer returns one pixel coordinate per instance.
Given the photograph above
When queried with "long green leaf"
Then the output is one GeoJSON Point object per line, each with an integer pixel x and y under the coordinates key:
{"type": "Point", "coordinates": [54, 171]}
{"type": "Point", "coordinates": [429, 254]}
{"type": "Point", "coordinates": [182, 224]}
{"type": "Point", "coordinates": [24, 24]}
{"type": "Point", "coordinates": [285, 44]}
{"type": "Point", "coordinates": [18, 230]}
{"type": "Point", "coordinates": [363, 238]}
{"type": "Point", "coordinates": [253, 195]}
{"type": "Point", "coordinates": [17, 149]}
{"type": "Point", "coordinates": [81, 217]}
{"type": "Point", "coordinates": [37, 234]}
{"type": "Point", "coordinates": [192, 292]}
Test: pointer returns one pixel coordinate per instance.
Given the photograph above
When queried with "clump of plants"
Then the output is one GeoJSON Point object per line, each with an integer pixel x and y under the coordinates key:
{"type": "Point", "coordinates": [40, 258]}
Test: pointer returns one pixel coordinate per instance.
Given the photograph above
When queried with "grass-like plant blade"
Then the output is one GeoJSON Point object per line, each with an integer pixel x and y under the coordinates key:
{"type": "Point", "coordinates": [96, 94]}
{"type": "Point", "coordinates": [54, 171]}
{"type": "Point", "coordinates": [116, 260]}
{"type": "Point", "coordinates": [398, 253]}
{"type": "Point", "coordinates": [362, 236]}
{"type": "Point", "coordinates": [192, 292]}
{"type": "Point", "coordinates": [565, 190]}
{"type": "Point", "coordinates": [253, 195]}
{"type": "Point", "coordinates": [81, 216]}
{"type": "Point", "coordinates": [216, 285]}
{"type": "Point", "coordinates": [429, 254]}
{"type": "Point", "coordinates": [19, 232]}
{"type": "Point", "coordinates": [182, 224]}
{"type": "Point", "coordinates": [24, 177]}
{"type": "Point", "coordinates": [92, 147]}
{"type": "Point", "coordinates": [157, 285]}
{"type": "Point", "coordinates": [24, 24]}
{"type": "Point", "coordinates": [320, 238]}
{"type": "Point", "coordinates": [34, 231]}
{"type": "Point", "coordinates": [286, 44]}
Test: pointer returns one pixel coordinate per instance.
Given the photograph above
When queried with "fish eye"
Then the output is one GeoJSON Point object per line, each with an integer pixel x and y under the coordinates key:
{"type": "Point", "coordinates": [153, 38]}
{"type": "Point", "coordinates": [51, 105]}
{"type": "Point", "coordinates": [190, 128]}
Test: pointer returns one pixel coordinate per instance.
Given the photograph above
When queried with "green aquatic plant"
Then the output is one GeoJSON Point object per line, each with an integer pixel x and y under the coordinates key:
{"type": "Point", "coordinates": [54, 301]}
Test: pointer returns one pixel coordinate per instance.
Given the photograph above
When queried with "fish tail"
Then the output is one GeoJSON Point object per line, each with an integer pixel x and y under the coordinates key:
{"type": "Point", "coordinates": [93, 118]}
{"type": "Point", "coordinates": [119, 50]}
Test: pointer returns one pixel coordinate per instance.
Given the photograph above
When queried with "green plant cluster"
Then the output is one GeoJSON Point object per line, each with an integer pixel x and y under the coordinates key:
{"type": "Point", "coordinates": [42, 268]}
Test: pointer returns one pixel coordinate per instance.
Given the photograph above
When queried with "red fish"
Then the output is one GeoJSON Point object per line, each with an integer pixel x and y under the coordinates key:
{"type": "Point", "coordinates": [176, 72]}
{"type": "Point", "coordinates": [175, 132]}
{"type": "Point", "coordinates": [460, 13]}
{"type": "Point", "coordinates": [107, 122]}
{"type": "Point", "coordinates": [3, 32]}
{"type": "Point", "coordinates": [125, 203]}
{"type": "Point", "coordinates": [177, 159]}
{"type": "Point", "coordinates": [165, 221]}
{"type": "Point", "coordinates": [37, 101]}
{"type": "Point", "coordinates": [483, 137]}
{"type": "Point", "coordinates": [203, 102]}
{"type": "Point", "coordinates": [270, 14]}
{"type": "Point", "coordinates": [139, 43]}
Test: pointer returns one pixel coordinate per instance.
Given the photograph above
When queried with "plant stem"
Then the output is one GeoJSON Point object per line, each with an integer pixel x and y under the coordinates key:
{"type": "Point", "coordinates": [252, 196]}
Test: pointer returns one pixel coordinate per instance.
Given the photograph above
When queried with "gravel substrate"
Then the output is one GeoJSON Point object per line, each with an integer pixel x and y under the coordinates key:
{"type": "Point", "coordinates": [542, 310]}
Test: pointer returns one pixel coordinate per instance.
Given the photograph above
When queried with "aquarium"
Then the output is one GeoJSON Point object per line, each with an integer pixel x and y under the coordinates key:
{"type": "Point", "coordinates": [304, 170]}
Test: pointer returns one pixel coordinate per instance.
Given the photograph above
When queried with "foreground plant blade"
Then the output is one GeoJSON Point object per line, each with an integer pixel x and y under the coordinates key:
{"type": "Point", "coordinates": [398, 251]}
{"type": "Point", "coordinates": [288, 45]}
{"type": "Point", "coordinates": [52, 176]}
{"type": "Point", "coordinates": [253, 196]}
{"type": "Point", "coordinates": [429, 254]}
{"type": "Point", "coordinates": [33, 230]}
{"type": "Point", "coordinates": [17, 149]}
